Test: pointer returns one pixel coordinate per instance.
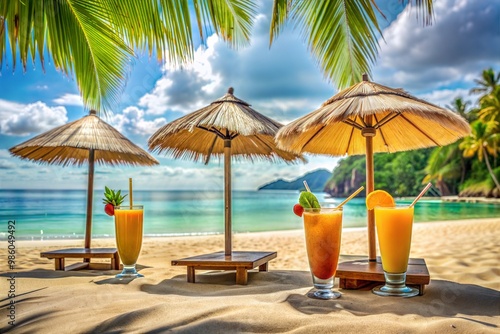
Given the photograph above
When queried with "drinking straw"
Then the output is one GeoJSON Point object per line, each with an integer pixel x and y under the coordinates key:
{"type": "Point", "coordinates": [307, 187]}
{"type": "Point", "coordinates": [421, 194]}
{"type": "Point", "coordinates": [130, 191]}
{"type": "Point", "coordinates": [350, 197]}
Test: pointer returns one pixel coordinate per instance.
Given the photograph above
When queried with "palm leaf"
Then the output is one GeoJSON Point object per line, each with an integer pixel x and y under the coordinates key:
{"type": "Point", "coordinates": [341, 34]}
{"type": "Point", "coordinates": [76, 34]}
{"type": "Point", "coordinates": [231, 19]}
{"type": "Point", "coordinates": [94, 40]}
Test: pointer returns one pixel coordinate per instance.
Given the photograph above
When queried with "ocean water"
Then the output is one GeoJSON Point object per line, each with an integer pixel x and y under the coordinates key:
{"type": "Point", "coordinates": [60, 214]}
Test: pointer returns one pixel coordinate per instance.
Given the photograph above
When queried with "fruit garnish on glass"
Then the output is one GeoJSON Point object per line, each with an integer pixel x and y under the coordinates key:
{"type": "Point", "coordinates": [379, 198]}
{"type": "Point", "coordinates": [307, 200]}
{"type": "Point", "coordinates": [111, 199]}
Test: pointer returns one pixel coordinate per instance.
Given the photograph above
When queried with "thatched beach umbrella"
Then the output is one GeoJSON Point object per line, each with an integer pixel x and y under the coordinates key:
{"type": "Point", "coordinates": [87, 140]}
{"type": "Point", "coordinates": [367, 118]}
{"type": "Point", "coordinates": [227, 127]}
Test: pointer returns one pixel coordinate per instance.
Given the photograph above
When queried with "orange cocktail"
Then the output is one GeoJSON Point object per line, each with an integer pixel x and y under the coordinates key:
{"type": "Point", "coordinates": [394, 227]}
{"type": "Point", "coordinates": [323, 229]}
{"type": "Point", "coordinates": [128, 229]}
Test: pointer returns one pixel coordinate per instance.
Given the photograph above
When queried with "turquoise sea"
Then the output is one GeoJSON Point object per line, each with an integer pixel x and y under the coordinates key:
{"type": "Point", "coordinates": [60, 214]}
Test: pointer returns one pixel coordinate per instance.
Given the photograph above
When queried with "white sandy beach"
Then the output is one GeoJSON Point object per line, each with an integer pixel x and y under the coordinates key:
{"type": "Point", "coordinates": [463, 258]}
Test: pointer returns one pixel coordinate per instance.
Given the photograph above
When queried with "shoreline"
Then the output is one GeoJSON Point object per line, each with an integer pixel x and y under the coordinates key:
{"type": "Point", "coordinates": [208, 234]}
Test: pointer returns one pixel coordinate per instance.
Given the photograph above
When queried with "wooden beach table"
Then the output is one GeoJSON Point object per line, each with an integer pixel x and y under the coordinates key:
{"type": "Point", "coordinates": [240, 261]}
{"type": "Point", "coordinates": [362, 273]}
{"type": "Point", "coordinates": [86, 253]}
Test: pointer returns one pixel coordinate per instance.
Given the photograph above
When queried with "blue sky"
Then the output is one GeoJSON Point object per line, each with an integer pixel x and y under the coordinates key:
{"type": "Point", "coordinates": [436, 63]}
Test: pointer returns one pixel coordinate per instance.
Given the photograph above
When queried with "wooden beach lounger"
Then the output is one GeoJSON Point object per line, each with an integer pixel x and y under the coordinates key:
{"type": "Point", "coordinates": [86, 253]}
{"type": "Point", "coordinates": [239, 261]}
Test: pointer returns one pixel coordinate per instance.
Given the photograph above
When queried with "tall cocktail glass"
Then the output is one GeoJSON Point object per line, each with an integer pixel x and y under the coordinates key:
{"type": "Point", "coordinates": [323, 229]}
{"type": "Point", "coordinates": [128, 228]}
{"type": "Point", "coordinates": [394, 229]}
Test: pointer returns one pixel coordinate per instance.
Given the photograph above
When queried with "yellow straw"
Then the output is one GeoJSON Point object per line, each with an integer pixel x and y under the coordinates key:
{"type": "Point", "coordinates": [421, 194]}
{"type": "Point", "coordinates": [307, 187]}
{"type": "Point", "coordinates": [350, 197]}
{"type": "Point", "coordinates": [130, 191]}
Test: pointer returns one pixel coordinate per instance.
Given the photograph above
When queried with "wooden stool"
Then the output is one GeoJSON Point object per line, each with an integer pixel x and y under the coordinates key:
{"type": "Point", "coordinates": [239, 261]}
{"type": "Point", "coordinates": [361, 273]}
{"type": "Point", "coordinates": [86, 253]}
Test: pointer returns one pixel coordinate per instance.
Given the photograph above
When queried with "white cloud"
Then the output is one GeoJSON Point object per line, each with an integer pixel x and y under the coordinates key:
{"type": "Point", "coordinates": [445, 97]}
{"type": "Point", "coordinates": [25, 119]}
{"type": "Point", "coordinates": [69, 100]}
{"type": "Point", "coordinates": [131, 121]}
{"type": "Point", "coordinates": [185, 88]}
{"type": "Point", "coordinates": [463, 41]}
{"type": "Point", "coordinates": [7, 164]}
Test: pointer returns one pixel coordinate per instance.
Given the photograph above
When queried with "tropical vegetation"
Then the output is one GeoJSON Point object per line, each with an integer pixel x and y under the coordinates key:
{"type": "Point", "coordinates": [95, 40]}
{"type": "Point", "coordinates": [468, 167]}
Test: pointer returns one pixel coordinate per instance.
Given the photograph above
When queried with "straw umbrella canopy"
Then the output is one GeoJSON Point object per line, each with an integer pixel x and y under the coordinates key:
{"type": "Point", "coordinates": [366, 118]}
{"type": "Point", "coordinates": [87, 140]}
{"type": "Point", "coordinates": [227, 127]}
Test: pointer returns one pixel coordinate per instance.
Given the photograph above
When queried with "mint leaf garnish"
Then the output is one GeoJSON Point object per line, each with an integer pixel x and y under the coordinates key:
{"type": "Point", "coordinates": [308, 200]}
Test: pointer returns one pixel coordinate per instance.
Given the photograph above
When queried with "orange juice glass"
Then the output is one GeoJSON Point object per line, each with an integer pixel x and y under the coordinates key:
{"type": "Point", "coordinates": [323, 229]}
{"type": "Point", "coordinates": [394, 228]}
{"type": "Point", "coordinates": [128, 229]}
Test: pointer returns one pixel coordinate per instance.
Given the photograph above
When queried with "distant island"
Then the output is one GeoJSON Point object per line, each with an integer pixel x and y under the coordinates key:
{"type": "Point", "coordinates": [315, 179]}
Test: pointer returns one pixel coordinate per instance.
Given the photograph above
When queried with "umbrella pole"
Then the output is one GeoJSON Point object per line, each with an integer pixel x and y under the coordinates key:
{"type": "Point", "coordinates": [227, 197]}
{"type": "Point", "coordinates": [369, 188]}
{"type": "Point", "coordinates": [90, 198]}
{"type": "Point", "coordinates": [369, 132]}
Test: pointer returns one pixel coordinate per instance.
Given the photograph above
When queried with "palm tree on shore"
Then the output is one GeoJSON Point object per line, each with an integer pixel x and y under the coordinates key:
{"type": "Point", "coordinates": [445, 164]}
{"type": "Point", "coordinates": [488, 82]}
{"type": "Point", "coordinates": [490, 106]}
{"type": "Point", "coordinates": [96, 40]}
{"type": "Point", "coordinates": [461, 107]}
{"type": "Point", "coordinates": [483, 141]}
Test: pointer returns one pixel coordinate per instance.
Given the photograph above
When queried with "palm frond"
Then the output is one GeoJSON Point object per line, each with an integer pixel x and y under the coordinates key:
{"type": "Point", "coordinates": [77, 35]}
{"type": "Point", "coordinates": [94, 40]}
{"type": "Point", "coordinates": [279, 16]}
{"type": "Point", "coordinates": [425, 11]}
{"type": "Point", "coordinates": [100, 57]}
{"type": "Point", "coordinates": [341, 34]}
{"type": "Point", "coordinates": [337, 36]}
{"type": "Point", "coordinates": [231, 19]}
{"type": "Point", "coordinates": [160, 27]}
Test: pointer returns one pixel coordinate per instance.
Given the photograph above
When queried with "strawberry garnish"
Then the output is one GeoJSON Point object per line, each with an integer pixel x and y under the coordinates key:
{"type": "Point", "coordinates": [298, 210]}
{"type": "Point", "coordinates": [111, 200]}
{"type": "Point", "coordinates": [109, 209]}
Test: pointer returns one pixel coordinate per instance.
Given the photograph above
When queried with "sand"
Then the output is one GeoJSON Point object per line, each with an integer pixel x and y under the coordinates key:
{"type": "Point", "coordinates": [463, 258]}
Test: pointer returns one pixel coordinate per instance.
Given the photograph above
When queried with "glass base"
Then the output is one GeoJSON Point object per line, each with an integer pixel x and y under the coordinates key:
{"type": "Point", "coordinates": [323, 289]}
{"type": "Point", "coordinates": [129, 272]}
{"type": "Point", "coordinates": [395, 285]}
{"type": "Point", "coordinates": [324, 294]}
